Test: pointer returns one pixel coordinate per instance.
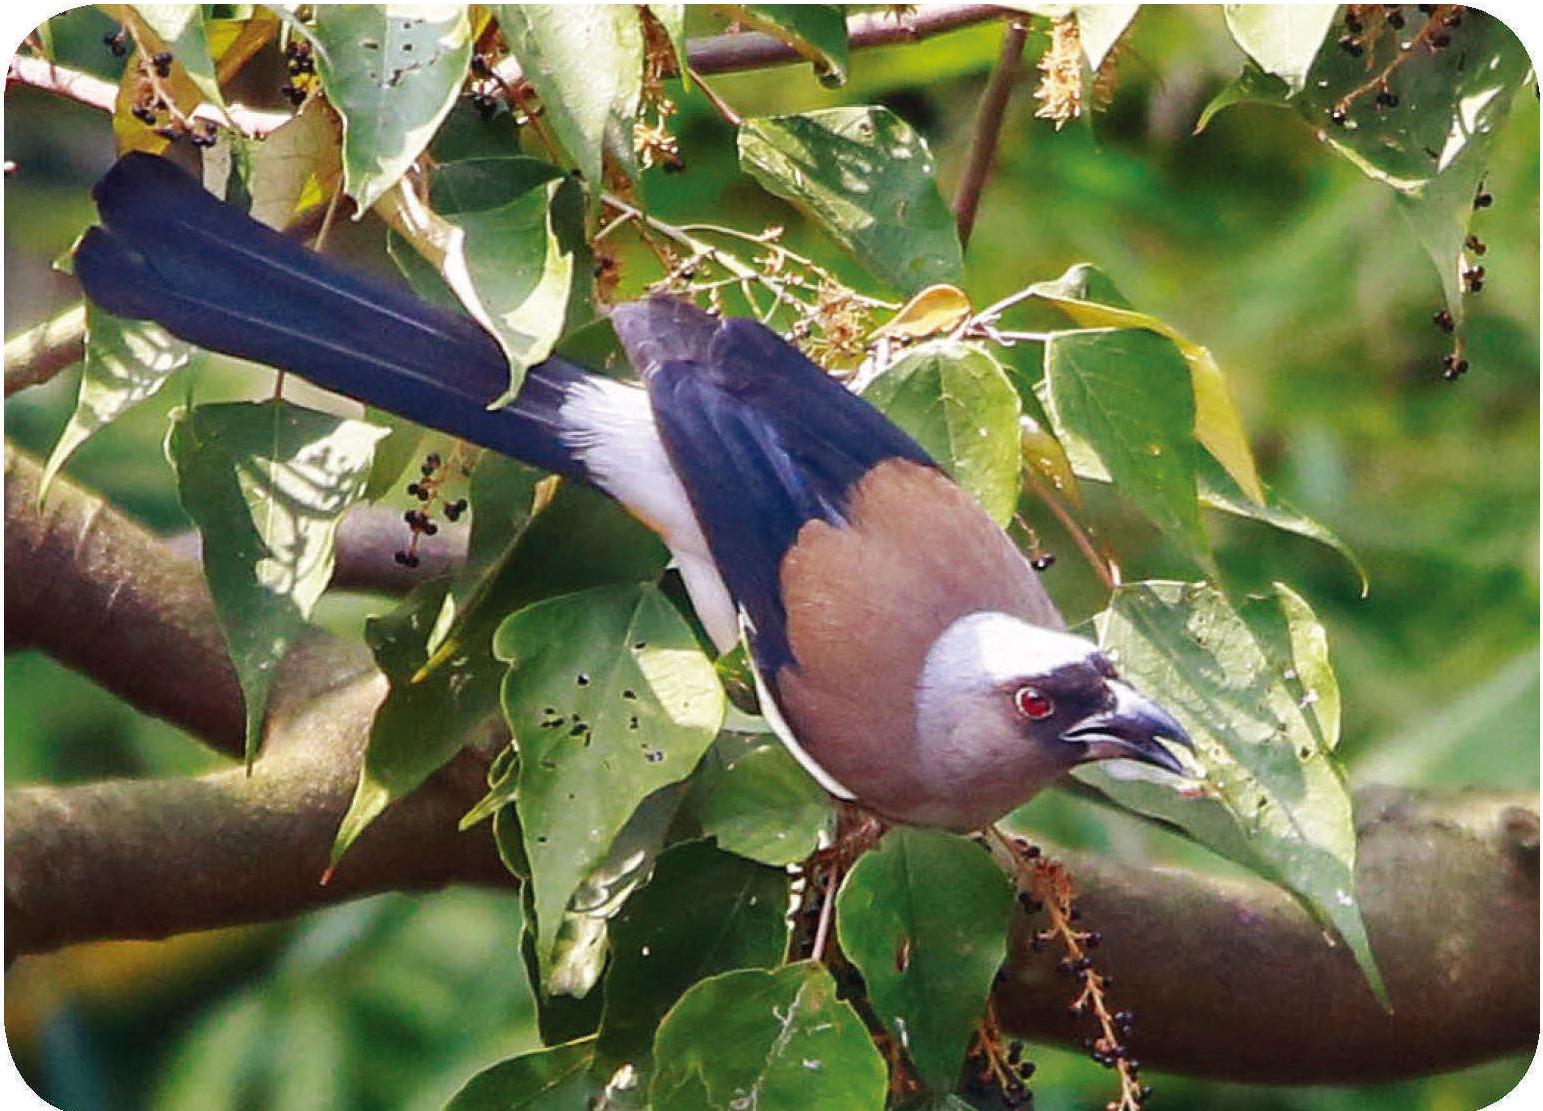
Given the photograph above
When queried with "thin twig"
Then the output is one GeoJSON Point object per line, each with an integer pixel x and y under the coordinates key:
{"type": "Point", "coordinates": [1107, 572]}
{"type": "Point", "coordinates": [988, 128]}
{"type": "Point", "coordinates": [723, 107]}
{"type": "Point", "coordinates": [94, 92]}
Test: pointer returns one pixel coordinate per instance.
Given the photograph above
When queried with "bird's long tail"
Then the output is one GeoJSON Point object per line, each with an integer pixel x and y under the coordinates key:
{"type": "Point", "coordinates": [169, 251]}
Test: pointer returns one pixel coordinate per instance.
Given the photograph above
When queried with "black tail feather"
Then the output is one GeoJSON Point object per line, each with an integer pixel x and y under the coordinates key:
{"type": "Point", "coordinates": [171, 252]}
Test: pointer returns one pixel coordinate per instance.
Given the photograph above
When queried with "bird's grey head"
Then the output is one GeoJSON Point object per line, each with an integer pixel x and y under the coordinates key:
{"type": "Point", "coordinates": [1033, 702]}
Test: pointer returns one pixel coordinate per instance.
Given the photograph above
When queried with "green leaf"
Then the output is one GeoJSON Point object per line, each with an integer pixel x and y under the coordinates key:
{"type": "Point", "coordinates": [1090, 299]}
{"type": "Point", "coordinates": [1282, 38]}
{"type": "Point", "coordinates": [924, 918]}
{"type": "Point", "coordinates": [505, 235]}
{"type": "Point", "coordinates": [586, 64]}
{"type": "Point", "coordinates": [760, 804]}
{"type": "Point", "coordinates": [502, 497]}
{"type": "Point", "coordinates": [579, 953]}
{"type": "Point", "coordinates": [1100, 26]}
{"type": "Point", "coordinates": [816, 31]}
{"type": "Point", "coordinates": [555, 1079]}
{"type": "Point", "coordinates": [267, 484]}
{"type": "Point", "coordinates": [704, 912]}
{"type": "Point", "coordinates": [868, 179]}
{"type": "Point", "coordinates": [773, 1041]}
{"type": "Point", "coordinates": [956, 401]}
{"type": "Point", "coordinates": [609, 698]}
{"type": "Point", "coordinates": [1433, 147]}
{"type": "Point", "coordinates": [1123, 395]}
{"type": "Point", "coordinates": [1218, 491]}
{"type": "Point", "coordinates": [126, 361]}
{"type": "Point", "coordinates": [1255, 690]}
{"type": "Point", "coordinates": [1252, 86]}
{"type": "Point", "coordinates": [392, 73]}
{"type": "Point", "coordinates": [436, 647]}
{"type": "Point", "coordinates": [404, 439]}
{"type": "Point", "coordinates": [178, 29]}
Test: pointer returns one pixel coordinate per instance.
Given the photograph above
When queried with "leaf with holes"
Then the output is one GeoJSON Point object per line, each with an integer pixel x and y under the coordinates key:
{"type": "Point", "coordinates": [609, 698]}
{"type": "Point", "coordinates": [1255, 690]}
{"type": "Point", "coordinates": [436, 647]}
{"type": "Point", "coordinates": [816, 31]}
{"type": "Point", "coordinates": [1431, 143]}
{"type": "Point", "coordinates": [393, 74]}
{"type": "Point", "coordinates": [924, 919]}
{"type": "Point", "coordinates": [775, 1041]}
{"type": "Point", "coordinates": [868, 179]}
{"type": "Point", "coordinates": [1123, 396]}
{"type": "Point", "coordinates": [126, 361]}
{"type": "Point", "coordinates": [704, 912]}
{"type": "Point", "coordinates": [267, 485]}
{"type": "Point", "coordinates": [956, 401]}
{"type": "Point", "coordinates": [586, 64]}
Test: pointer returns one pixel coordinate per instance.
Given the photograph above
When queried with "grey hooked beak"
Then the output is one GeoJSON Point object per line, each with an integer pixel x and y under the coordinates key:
{"type": "Point", "coordinates": [1133, 729]}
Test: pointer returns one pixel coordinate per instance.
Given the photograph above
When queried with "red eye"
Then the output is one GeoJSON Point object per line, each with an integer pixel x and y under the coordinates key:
{"type": "Point", "coordinates": [1031, 704]}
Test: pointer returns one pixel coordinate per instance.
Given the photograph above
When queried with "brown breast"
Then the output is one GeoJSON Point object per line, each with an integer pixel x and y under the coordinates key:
{"type": "Point", "coordinates": [864, 603]}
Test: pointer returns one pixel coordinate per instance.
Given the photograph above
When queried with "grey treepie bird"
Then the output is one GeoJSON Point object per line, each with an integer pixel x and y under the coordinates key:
{"type": "Point", "coordinates": [904, 649]}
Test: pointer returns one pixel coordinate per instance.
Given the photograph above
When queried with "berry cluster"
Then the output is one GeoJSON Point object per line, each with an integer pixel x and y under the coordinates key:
{"type": "Point", "coordinates": [426, 488]}
{"type": "Point", "coordinates": [1046, 887]}
{"type": "Point", "coordinates": [998, 1071]}
{"type": "Point", "coordinates": [1364, 25]}
{"type": "Point", "coordinates": [301, 67]}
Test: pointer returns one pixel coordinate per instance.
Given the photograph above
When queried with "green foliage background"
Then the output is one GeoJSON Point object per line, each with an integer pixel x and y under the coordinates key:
{"type": "Point", "coordinates": [1299, 274]}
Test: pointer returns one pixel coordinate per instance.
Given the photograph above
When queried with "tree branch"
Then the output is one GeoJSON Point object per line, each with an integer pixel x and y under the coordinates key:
{"type": "Point", "coordinates": [100, 594]}
{"type": "Point", "coordinates": [1228, 978]}
{"type": "Point", "coordinates": [368, 540]}
{"type": "Point", "coordinates": [728, 53]}
{"type": "Point", "coordinates": [988, 128]}
{"type": "Point", "coordinates": [42, 351]}
{"type": "Point", "coordinates": [94, 92]}
{"type": "Point", "coordinates": [1232, 979]}
{"type": "Point", "coordinates": [755, 50]}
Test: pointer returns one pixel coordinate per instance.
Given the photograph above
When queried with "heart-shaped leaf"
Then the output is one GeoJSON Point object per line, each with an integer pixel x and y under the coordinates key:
{"type": "Point", "coordinates": [266, 484]}
{"type": "Point", "coordinates": [704, 912]}
{"type": "Point", "coordinates": [1254, 688]}
{"type": "Point", "coordinates": [868, 179]}
{"type": "Point", "coordinates": [924, 919]}
{"type": "Point", "coordinates": [957, 402]}
{"type": "Point", "coordinates": [393, 73]}
{"type": "Point", "coordinates": [774, 1041]}
{"type": "Point", "coordinates": [609, 698]}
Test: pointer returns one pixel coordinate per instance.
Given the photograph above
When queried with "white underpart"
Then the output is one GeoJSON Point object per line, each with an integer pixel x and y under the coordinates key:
{"type": "Point", "coordinates": [977, 654]}
{"type": "Point", "coordinates": [610, 427]}
{"type": "Point", "coordinates": [773, 715]}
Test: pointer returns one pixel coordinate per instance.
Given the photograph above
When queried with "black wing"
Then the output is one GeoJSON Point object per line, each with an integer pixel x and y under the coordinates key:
{"type": "Point", "coordinates": [763, 440]}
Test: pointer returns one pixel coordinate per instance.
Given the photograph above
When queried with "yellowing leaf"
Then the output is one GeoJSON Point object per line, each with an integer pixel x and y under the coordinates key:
{"type": "Point", "coordinates": [1217, 424]}
{"type": "Point", "coordinates": [938, 308]}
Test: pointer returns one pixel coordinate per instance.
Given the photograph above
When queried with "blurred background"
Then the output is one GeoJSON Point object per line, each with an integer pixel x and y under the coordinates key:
{"type": "Point", "coordinates": [1252, 238]}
